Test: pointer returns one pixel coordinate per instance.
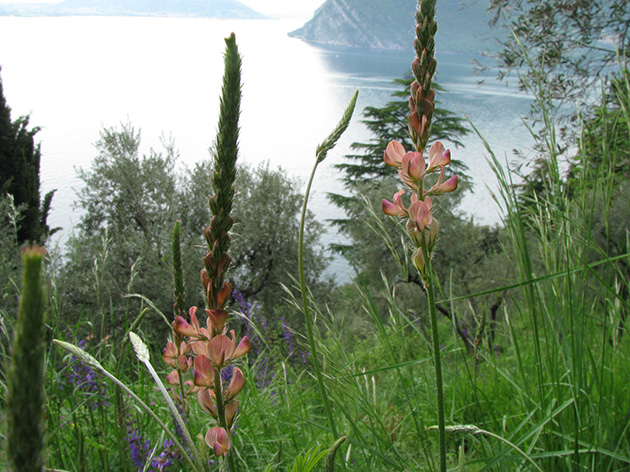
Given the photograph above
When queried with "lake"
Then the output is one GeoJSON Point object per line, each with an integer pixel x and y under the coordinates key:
{"type": "Point", "coordinates": [75, 75]}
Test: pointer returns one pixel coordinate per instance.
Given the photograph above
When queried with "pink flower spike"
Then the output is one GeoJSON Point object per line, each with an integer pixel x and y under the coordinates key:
{"type": "Point", "coordinates": [448, 186]}
{"type": "Point", "coordinates": [218, 439]}
{"type": "Point", "coordinates": [394, 154]}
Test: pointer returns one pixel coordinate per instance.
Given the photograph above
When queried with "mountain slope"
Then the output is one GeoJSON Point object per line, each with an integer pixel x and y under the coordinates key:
{"type": "Point", "coordinates": [183, 8]}
{"type": "Point", "coordinates": [389, 24]}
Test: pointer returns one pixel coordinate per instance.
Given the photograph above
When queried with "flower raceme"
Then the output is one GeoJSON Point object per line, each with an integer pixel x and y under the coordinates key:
{"type": "Point", "coordinates": [207, 352]}
{"type": "Point", "coordinates": [412, 167]}
{"type": "Point", "coordinates": [421, 226]}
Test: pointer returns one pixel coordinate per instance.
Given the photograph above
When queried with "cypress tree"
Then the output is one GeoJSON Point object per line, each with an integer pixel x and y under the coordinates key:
{"type": "Point", "coordinates": [19, 171]}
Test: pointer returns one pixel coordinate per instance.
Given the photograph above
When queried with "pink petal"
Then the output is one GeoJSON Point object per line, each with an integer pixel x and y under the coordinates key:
{"type": "Point", "coordinates": [394, 154]}
{"type": "Point", "coordinates": [236, 384]}
{"type": "Point", "coordinates": [390, 209]}
{"type": "Point", "coordinates": [206, 398]}
{"type": "Point", "coordinates": [204, 372]}
{"type": "Point", "coordinates": [243, 348]}
{"type": "Point", "coordinates": [183, 327]}
{"type": "Point", "coordinates": [448, 186]}
{"type": "Point", "coordinates": [219, 349]}
{"type": "Point", "coordinates": [218, 439]}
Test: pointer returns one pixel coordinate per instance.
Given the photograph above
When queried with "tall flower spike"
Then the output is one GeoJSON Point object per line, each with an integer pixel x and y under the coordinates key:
{"type": "Point", "coordinates": [224, 176]}
{"type": "Point", "coordinates": [423, 68]}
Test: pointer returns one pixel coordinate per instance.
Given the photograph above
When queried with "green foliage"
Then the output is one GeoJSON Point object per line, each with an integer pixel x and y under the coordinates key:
{"type": "Point", "coordinates": [19, 174]}
{"type": "Point", "coordinates": [574, 43]}
{"type": "Point", "coordinates": [9, 257]}
{"type": "Point", "coordinates": [265, 250]}
{"type": "Point", "coordinates": [123, 244]}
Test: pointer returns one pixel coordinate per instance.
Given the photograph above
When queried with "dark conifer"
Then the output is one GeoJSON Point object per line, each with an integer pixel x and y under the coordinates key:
{"type": "Point", "coordinates": [19, 173]}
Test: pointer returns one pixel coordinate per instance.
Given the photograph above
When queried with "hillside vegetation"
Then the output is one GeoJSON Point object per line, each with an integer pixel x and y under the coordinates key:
{"type": "Point", "coordinates": [389, 24]}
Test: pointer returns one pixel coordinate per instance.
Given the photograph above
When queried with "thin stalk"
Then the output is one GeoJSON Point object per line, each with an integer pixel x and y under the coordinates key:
{"type": "Point", "coordinates": [437, 361]}
{"type": "Point", "coordinates": [307, 316]}
{"type": "Point", "coordinates": [321, 152]}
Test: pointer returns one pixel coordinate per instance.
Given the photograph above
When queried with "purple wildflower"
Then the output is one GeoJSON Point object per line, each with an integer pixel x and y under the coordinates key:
{"type": "Point", "coordinates": [85, 380]}
{"type": "Point", "coordinates": [138, 449]}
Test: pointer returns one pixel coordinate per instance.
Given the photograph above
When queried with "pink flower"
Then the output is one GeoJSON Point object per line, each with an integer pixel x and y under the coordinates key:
{"type": "Point", "coordinates": [206, 398]}
{"type": "Point", "coordinates": [204, 372]}
{"type": "Point", "coordinates": [172, 378]}
{"type": "Point", "coordinates": [218, 439]}
{"type": "Point", "coordinates": [183, 327]}
{"type": "Point", "coordinates": [413, 166]}
{"type": "Point", "coordinates": [236, 384]}
{"type": "Point", "coordinates": [230, 412]}
{"type": "Point", "coordinates": [446, 187]}
{"type": "Point", "coordinates": [217, 319]}
{"type": "Point", "coordinates": [221, 350]}
{"type": "Point", "coordinates": [171, 356]}
{"type": "Point", "coordinates": [394, 154]}
{"type": "Point", "coordinates": [438, 157]}
{"type": "Point", "coordinates": [397, 208]}
{"type": "Point", "coordinates": [420, 213]}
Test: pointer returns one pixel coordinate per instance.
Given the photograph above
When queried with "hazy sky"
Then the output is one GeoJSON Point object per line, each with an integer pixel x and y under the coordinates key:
{"type": "Point", "coordinates": [290, 8]}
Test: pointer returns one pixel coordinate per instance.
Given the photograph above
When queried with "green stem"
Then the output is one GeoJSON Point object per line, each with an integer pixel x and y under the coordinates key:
{"type": "Point", "coordinates": [307, 317]}
{"type": "Point", "coordinates": [436, 355]}
{"type": "Point", "coordinates": [218, 388]}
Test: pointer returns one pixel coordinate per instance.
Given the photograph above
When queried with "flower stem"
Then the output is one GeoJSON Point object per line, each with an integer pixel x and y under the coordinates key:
{"type": "Point", "coordinates": [218, 388]}
{"type": "Point", "coordinates": [307, 316]}
{"type": "Point", "coordinates": [436, 355]}
{"type": "Point", "coordinates": [321, 153]}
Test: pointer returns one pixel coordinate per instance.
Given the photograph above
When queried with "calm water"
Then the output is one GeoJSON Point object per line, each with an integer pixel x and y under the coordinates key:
{"type": "Point", "coordinates": [76, 75]}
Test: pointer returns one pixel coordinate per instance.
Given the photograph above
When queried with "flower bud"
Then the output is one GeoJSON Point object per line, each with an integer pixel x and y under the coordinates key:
{"type": "Point", "coordinates": [218, 439]}
{"type": "Point", "coordinates": [230, 412]}
{"type": "Point", "coordinates": [172, 378]}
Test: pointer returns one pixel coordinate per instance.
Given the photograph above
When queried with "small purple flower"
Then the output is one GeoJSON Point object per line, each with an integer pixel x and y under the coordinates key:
{"type": "Point", "coordinates": [85, 380]}
{"type": "Point", "coordinates": [226, 374]}
{"type": "Point", "coordinates": [138, 449]}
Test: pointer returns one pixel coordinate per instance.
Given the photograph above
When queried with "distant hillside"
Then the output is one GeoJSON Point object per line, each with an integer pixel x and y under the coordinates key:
{"type": "Point", "coordinates": [389, 24]}
{"type": "Point", "coordinates": [227, 9]}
